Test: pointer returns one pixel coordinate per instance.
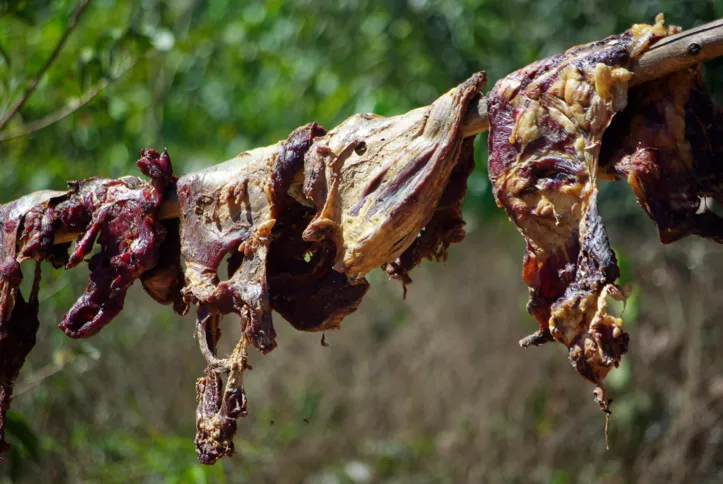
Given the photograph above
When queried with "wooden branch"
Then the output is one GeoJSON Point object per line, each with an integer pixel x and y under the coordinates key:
{"type": "Point", "coordinates": [670, 54]}
{"type": "Point", "coordinates": [72, 23]}
{"type": "Point", "coordinates": [679, 51]}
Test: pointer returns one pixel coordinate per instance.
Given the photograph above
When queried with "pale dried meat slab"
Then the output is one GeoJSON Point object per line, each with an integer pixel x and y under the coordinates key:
{"type": "Point", "coordinates": [446, 225]}
{"type": "Point", "coordinates": [227, 210]}
{"type": "Point", "coordinates": [376, 182]}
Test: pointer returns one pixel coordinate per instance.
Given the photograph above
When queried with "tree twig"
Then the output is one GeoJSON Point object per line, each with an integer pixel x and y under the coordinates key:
{"type": "Point", "coordinates": [33, 83]}
{"type": "Point", "coordinates": [66, 111]}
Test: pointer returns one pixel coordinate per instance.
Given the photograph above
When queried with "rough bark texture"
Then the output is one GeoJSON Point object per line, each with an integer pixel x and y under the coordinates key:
{"type": "Point", "coordinates": [547, 122]}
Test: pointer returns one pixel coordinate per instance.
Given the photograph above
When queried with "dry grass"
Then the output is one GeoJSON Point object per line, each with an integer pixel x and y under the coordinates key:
{"type": "Point", "coordinates": [431, 389]}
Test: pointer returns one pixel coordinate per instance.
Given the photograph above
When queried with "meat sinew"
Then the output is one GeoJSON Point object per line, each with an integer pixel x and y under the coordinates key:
{"type": "Point", "coordinates": [230, 209]}
{"type": "Point", "coordinates": [668, 144]}
{"type": "Point", "coordinates": [547, 121]}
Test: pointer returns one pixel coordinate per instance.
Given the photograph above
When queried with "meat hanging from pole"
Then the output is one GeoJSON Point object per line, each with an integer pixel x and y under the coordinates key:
{"type": "Point", "coordinates": [299, 224]}
{"type": "Point", "coordinates": [548, 125]}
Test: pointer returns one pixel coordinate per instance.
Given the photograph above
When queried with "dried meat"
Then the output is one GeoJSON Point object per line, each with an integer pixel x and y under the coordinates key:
{"type": "Point", "coordinates": [667, 144]}
{"type": "Point", "coordinates": [123, 215]}
{"type": "Point", "coordinates": [230, 210]}
{"type": "Point", "coordinates": [376, 182]}
{"type": "Point", "coordinates": [227, 209]}
{"type": "Point", "coordinates": [547, 121]}
{"type": "Point", "coordinates": [304, 287]}
{"type": "Point", "coordinates": [18, 317]}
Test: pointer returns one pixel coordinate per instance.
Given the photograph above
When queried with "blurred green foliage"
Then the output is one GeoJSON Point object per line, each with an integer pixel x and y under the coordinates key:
{"type": "Point", "coordinates": [210, 78]}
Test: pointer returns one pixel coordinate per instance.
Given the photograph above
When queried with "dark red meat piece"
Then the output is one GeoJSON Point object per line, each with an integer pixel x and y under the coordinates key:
{"type": "Point", "coordinates": [668, 145]}
{"type": "Point", "coordinates": [304, 287]}
{"type": "Point", "coordinates": [18, 317]}
{"type": "Point", "coordinates": [123, 215]}
{"type": "Point", "coordinates": [164, 281]}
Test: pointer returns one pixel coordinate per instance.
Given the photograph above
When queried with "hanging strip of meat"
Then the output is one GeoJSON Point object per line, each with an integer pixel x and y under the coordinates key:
{"type": "Point", "coordinates": [18, 317]}
{"type": "Point", "coordinates": [230, 210]}
{"type": "Point", "coordinates": [547, 122]}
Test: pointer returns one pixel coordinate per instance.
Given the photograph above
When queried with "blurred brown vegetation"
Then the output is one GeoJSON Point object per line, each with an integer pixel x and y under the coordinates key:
{"type": "Point", "coordinates": [431, 389]}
